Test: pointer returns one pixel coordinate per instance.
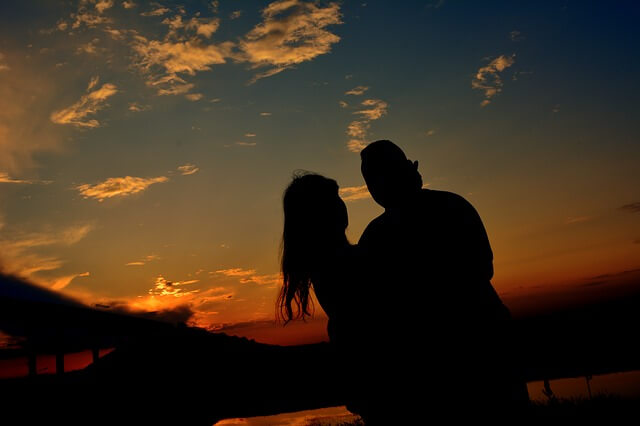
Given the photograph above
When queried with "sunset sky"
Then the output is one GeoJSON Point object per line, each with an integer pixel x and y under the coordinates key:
{"type": "Point", "coordinates": [145, 146]}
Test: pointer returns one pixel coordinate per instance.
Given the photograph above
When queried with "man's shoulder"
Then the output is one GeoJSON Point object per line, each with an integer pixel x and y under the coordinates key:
{"type": "Point", "coordinates": [446, 197]}
{"type": "Point", "coordinates": [373, 229]}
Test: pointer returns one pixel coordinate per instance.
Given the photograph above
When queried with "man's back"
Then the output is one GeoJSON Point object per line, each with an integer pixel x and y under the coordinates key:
{"type": "Point", "coordinates": [435, 250]}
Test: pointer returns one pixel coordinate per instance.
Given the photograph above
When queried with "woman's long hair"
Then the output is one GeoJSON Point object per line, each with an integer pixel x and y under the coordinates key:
{"type": "Point", "coordinates": [315, 220]}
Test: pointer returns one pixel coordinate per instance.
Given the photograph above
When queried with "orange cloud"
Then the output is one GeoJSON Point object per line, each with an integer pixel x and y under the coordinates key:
{"type": "Point", "coordinates": [158, 11]}
{"type": "Point", "coordinates": [21, 257]}
{"type": "Point", "coordinates": [88, 104]}
{"type": "Point", "coordinates": [250, 276]}
{"type": "Point", "coordinates": [3, 66]}
{"type": "Point", "coordinates": [292, 32]}
{"type": "Point", "coordinates": [164, 287]}
{"type": "Point", "coordinates": [357, 129]}
{"type": "Point", "coordinates": [354, 193]}
{"type": "Point", "coordinates": [118, 187]}
{"type": "Point", "coordinates": [357, 91]}
{"type": "Point", "coordinates": [137, 107]}
{"type": "Point", "coordinates": [188, 169]}
{"type": "Point", "coordinates": [488, 78]}
{"type": "Point", "coordinates": [193, 97]}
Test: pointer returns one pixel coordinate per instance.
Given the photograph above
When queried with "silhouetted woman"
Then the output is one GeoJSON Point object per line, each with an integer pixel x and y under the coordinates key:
{"type": "Point", "coordinates": [317, 254]}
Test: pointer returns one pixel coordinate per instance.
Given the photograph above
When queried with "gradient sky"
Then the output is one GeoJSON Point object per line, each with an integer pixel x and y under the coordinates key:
{"type": "Point", "coordinates": [144, 147]}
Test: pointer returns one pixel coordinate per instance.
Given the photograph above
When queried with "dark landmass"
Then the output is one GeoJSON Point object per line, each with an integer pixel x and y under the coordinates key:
{"type": "Point", "coordinates": [168, 373]}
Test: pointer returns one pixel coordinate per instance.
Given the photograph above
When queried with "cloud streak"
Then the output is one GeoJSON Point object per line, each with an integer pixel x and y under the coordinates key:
{"type": "Point", "coordinates": [631, 208]}
{"type": "Point", "coordinates": [246, 276]}
{"type": "Point", "coordinates": [488, 77]}
{"type": "Point", "coordinates": [374, 109]}
{"type": "Point", "coordinates": [188, 169]}
{"type": "Point", "coordinates": [292, 32]}
{"type": "Point", "coordinates": [354, 193]}
{"type": "Point", "coordinates": [118, 187]}
{"type": "Point", "coordinates": [357, 91]}
{"type": "Point", "coordinates": [89, 104]}
{"type": "Point", "coordinates": [21, 254]}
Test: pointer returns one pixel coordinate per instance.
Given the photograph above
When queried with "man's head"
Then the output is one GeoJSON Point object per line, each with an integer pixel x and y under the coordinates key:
{"type": "Point", "coordinates": [389, 175]}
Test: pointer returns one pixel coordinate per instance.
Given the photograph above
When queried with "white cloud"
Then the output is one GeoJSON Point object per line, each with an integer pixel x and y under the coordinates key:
{"type": "Point", "coordinates": [188, 169]}
{"type": "Point", "coordinates": [357, 91]}
{"type": "Point", "coordinates": [292, 32]}
{"type": "Point", "coordinates": [88, 104]}
{"type": "Point", "coordinates": [488, 78]}
{"type": "Point", "coordinates": [118, 187]}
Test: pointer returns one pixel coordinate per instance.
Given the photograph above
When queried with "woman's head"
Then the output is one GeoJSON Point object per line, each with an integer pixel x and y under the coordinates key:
{"type": "Point", "coordinates": [315, 219]}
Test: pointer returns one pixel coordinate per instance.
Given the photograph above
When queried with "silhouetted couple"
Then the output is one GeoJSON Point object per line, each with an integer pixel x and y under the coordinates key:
{"type": "Point", "coordinates": [419, 330]}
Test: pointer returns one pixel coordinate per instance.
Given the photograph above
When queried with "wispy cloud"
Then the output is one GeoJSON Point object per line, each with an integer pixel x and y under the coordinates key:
{"type": "Point", "coordinates": [3, 65]}
{"type": "Point", "coordinates": [488, 78]}
{"type": "Point", "coordinates": [61, 282]}
{"type": "Point", "coordinates": [246, 276]}
{"type": "Point", "coordinates": [194, 97]}
{"type": "Point", "coordinates": [292, 32]}
{"type": "Point", "coordinates": [87, 17]}
{"type": "Point", "coordinates": [103, 5]}
{"type": "Point", "coordinates": [157, 11]}
{"type": "Point", "coordinates": [163, 61]}
{"type": "Point", "coordinates": [357, 91]}
{"type": "Point", "coordinates": [265, 114]}
{"type": "Point", "coordinates": [118, 187]}
{"type": "Point", "coordinates": [21, 254]}
{"type": "Point", "coordinates": [243, 143]}
{"type": "Point", "coordinates": [90, 48]}
{"type": "Point", "coordinates": [188, 169]}
{"type": "Point", "coordinates": [235, 14]}
{"type": "Point", "coordinates": [250, 135]}
{"type": "Point", "coordinates": [5, 178]}
{"type": "Point", "coordinates": [164, 287]}
{"type": "Point", "coordinates": [516, 35]}
{"type": "Point", "coordinates": [631, 208]}
{"type": "Point", "coordinates": [577, 219]}
{"type": "Point", "coordinates": [354, 193]}
{"type": "Point", "coordinates": [128, 4]}
{"type": "Point", "coordinates": [138, 107]}
{"type": "Point", "coordinates": [357, 130]}
{"type": "Point", "coordinates": [430, 132]}
{"type": "Point", "coordinates": [144, 261]}
{"type": "Point", "coordinates": [89, 104]}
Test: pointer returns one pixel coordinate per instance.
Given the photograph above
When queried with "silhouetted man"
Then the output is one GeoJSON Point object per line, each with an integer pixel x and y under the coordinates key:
{"type": "Point", "coordinates": [429, 271]}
